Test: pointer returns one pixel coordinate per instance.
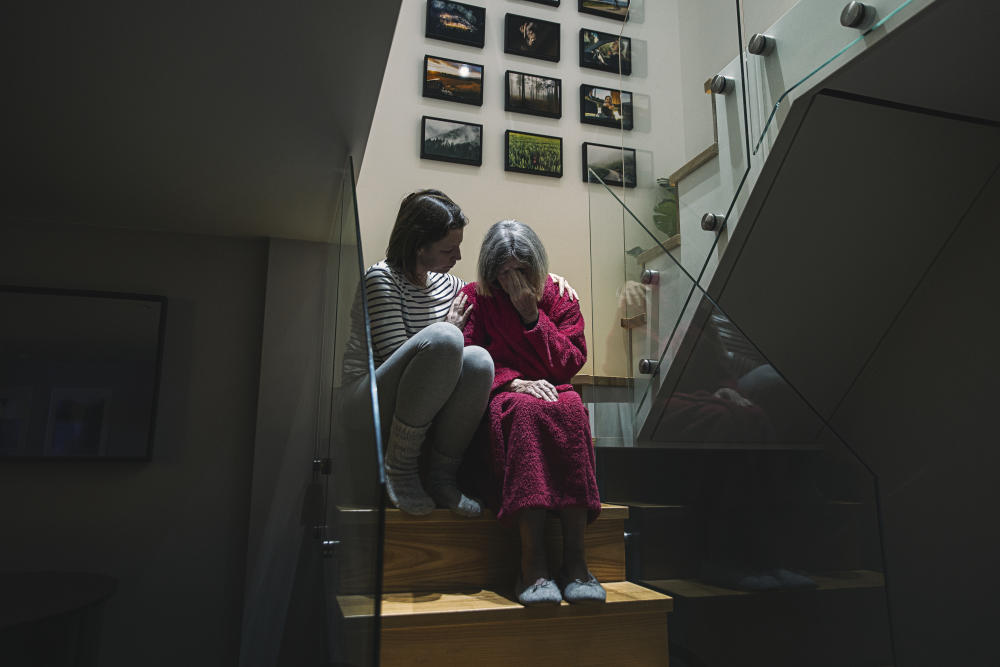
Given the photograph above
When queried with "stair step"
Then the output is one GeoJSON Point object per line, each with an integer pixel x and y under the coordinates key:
{"type": "Point", "coordinates": [693, 588]}
{"type": "Point", "coordinates": [485, 628]}
{"type": "Point", "coordinates": [442, 552]}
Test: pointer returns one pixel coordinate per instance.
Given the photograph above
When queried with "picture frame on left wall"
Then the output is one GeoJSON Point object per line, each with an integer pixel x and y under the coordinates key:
{"type": "Point", "coordinates": [453, 80]}
{"type": "Point", "coordinates": [456, 22]}
{"type": "Point", "coordinates": [448, 140]}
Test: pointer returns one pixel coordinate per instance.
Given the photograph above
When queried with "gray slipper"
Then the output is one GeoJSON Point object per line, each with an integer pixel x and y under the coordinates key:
{"type": "Point", "coordinates": [579, 591]}
{"type": "Point", "coordinates": [543, 591]}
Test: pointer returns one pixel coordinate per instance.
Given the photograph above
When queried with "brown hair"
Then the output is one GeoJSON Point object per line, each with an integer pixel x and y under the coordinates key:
{"type": "Point", "coordinates": [424, 217]}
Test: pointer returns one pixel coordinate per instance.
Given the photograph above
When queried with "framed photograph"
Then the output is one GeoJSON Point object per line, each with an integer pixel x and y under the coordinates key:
{"type": "Point", "coordinates": [15, 414]}
{"type": "Point", "coordinates": [605, 51]}
{"type": "Point", "coordinates": [533, 153]}
{"type": "Point", "coordinates": [550, 3]}
{"type": "Point", "coordinates": [453, 80]}
{"type": "Point", "coordinates": [78, 422]}
{"type": "Point", "coordinates": [532, 94]}
{"type": "Point", "coordinates": [612, 9]}
{"type": "Point", "coordinates": [614, 165]}
{"type": "Point", "coordinates": [456, 22]}
{"type": "Point", "coordinates": [606, 106]}
{"type": "Point", "coordinates": [533, 38]}
{"type": "Point", "coordinates": [451, 141]}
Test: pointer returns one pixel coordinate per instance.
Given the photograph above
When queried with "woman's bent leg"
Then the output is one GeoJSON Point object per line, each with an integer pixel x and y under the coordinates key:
{"type": "Point", "coordinates": [453, 429]}
{"type": "Point", "coordinates": [413, 385]}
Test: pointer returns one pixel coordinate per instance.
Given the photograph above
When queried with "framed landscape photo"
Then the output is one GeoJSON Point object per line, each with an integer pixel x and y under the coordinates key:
{"type": "Point", "coordinates": [532, 38]}
{"type": "Point", "coordinates": [529, 153]}
{"type": "Point", "coordinates": [451, 141]}
{"type": "Point", "coordinates": [456, 22]}
{"type": "Point", "coordinates": [605, 106]}
{"type": "Point", "coordinates": [453, 80]}
{"type": "Point", "coordinates": [605, 51]}
{"type": "Point", "coordinates": [532, 94]}
{"type": "Point", "coordinates": [612, 9]}
{"type": "Point", "coordinates": [614, 165]}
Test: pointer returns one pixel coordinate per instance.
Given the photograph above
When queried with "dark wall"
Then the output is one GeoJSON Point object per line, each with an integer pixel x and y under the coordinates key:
{"type": "Point", "coordinates": [173, 531]}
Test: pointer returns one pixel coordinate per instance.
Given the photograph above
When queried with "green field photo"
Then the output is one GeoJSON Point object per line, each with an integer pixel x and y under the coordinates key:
{"type": "Point", "coordinates": [534, 154]}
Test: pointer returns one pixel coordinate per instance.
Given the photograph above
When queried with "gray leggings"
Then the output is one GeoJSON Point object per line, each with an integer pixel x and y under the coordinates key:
{"type": "Point", "coordinates": [433, 377]}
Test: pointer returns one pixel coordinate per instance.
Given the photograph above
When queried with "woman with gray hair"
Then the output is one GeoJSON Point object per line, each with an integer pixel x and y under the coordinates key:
{"type": "Point", "coordinates": [541, 453]}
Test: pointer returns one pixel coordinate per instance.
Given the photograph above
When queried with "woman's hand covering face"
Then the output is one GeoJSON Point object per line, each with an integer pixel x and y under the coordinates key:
{"type": "Point", "coordinates": [520, 293]}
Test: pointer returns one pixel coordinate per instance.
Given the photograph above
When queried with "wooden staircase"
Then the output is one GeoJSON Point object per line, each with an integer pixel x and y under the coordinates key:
{"type": "Point", "coordinates": [448, 599]}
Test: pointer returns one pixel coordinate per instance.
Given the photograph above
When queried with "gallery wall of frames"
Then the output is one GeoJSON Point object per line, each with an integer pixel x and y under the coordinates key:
{"type": "Point", "coordinates": [509, 135]}
{"type": "Point", "coordinates": [530, 37]}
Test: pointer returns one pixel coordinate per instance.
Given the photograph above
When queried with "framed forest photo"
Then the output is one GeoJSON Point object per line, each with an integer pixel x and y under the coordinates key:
{"type": "Point", "coordinates": [532, 94]}
{"type": "Point", "coordinates": [533, 153]}
{"type": "Point", "coordinates": [612, 9]}
{"type": "Point", "coordinates": [451, 141]}
{"type": "Point", "coordinates": [532, 38]}
{"type": "Point", "coordinates": [456, 22]}
{"type": "Point", "coordinates": [614, 165]}
{"type": "Point", "coordinates": [453, 80]}
{"type": "Point", "coordinates": [606, 106]}
{"type": "Point", "coordinates": [605, 51]}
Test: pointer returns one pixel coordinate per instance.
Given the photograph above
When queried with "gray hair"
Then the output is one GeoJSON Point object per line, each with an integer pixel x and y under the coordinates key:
{"type": "Point", "coordinates": [506, 239]}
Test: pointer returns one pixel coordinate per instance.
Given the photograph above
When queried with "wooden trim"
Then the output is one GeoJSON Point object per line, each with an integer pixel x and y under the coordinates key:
{"type": "Point", "coordinates": [633, 322]}
{"type": "Point", "coordinates": [599, 381]}
{"type": "Point", "coordinates": [698, 161]}
{"type": "Point", "coordinates": [647, 256]}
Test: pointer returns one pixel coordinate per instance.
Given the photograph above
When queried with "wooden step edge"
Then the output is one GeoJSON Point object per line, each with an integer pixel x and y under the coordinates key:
{"type": "Point", "coordinates": [828, 581]}
{"type": "Point", "coordinates": [485, 606]}
{"type": "Point", "coordinates": [392, 515]}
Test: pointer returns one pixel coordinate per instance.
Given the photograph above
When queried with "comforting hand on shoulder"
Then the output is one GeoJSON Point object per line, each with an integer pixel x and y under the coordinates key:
{"type": "Point", "coordinates": [458, 313]}
{"type": "Point", "coordinates": [542, 389]}
{"type": "Point", "coordinates": [564, 287]}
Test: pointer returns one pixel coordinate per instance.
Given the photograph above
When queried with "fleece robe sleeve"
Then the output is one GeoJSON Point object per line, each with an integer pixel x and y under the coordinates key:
{"type": "Point", "coordinates": [558, 337]}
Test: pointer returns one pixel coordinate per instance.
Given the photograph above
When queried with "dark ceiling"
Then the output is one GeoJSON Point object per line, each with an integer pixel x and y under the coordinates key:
{"type": "Point", "coordinates": [231, 118]}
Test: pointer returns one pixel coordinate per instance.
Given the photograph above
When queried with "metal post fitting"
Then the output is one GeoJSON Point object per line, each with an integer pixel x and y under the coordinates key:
{"type": "Point", "coordinates": [761, 44]}
{"type": "Point", "coordinates": [857, 15]}
{"type": "Point", "coordinates": [722, 85]}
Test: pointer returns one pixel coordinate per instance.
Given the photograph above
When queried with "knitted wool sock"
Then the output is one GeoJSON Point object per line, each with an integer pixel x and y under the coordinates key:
{"type": "Point", "coordinates": [402, 478]}
{"type": "Point", "coordinates": [444, 489]}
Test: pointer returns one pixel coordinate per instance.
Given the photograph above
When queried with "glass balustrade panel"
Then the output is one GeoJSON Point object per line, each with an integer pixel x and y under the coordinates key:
{"type": "Point", "coordinates": [794, 44]}
{"type": "Point", "coordinates": [353, 493]}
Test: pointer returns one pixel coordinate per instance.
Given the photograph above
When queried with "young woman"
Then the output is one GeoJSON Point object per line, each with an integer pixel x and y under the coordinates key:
{"type": "Point", "coordinates": [541, 452]}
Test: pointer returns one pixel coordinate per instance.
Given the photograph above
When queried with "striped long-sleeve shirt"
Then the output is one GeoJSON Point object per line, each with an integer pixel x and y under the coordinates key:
{"type": "Point", "coordinates": [398, 309]}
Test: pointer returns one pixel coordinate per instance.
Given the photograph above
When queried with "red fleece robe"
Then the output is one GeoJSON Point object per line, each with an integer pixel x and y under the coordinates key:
{"type": "Point", "coordinates": [541, 453]}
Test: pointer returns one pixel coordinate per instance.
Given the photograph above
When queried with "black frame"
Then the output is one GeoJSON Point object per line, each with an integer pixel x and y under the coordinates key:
{"type": "Point", "coordinates": [430, 92]}
{"type": "Point", "coordinates": [626, 63]}
{"type": "Point", "coordinates": [512, 21]}
{"type": "Point", "coordinates": [506, 95]}
{"type": "Point", "coordinates": [157, 379]}
{"type": "Point", "coordinates": [598, 12]}
{"type": "Point", "coordinates": [627, 122]}
{"type": "Point", "coordinates": [506, 154]}
{"type": "Point", "coordinates": [478, 161]}
{"type": "Point", "coordinates": [434, 30]}
{"type": "Point", "coordinates": [624, 182]}
{"type": "Point", "coordinates": [550, 3]}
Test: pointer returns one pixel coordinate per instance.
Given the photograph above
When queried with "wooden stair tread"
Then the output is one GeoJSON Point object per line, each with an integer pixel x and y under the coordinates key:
{"type": "Point", "coordinates": [409, 609]}
{"type": "Point", "coordinates": [393, 515]}
{"type": "Point", "coordinates": [846, 580]}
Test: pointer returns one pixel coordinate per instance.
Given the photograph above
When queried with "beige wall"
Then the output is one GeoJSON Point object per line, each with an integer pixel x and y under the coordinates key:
{"type": "Point", "coordinates": [558, 209]}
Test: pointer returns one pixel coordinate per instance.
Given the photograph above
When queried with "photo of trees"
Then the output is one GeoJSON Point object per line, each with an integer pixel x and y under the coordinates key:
{"type": "Point", "coordinates": [537, 95]}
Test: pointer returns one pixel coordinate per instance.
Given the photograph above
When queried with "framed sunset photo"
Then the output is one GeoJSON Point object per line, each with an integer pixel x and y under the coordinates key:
{"type": "Point", "coordinates": [453, 80]}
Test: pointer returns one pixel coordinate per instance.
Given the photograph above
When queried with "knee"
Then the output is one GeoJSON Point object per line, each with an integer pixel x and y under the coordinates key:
{"type": "Point", "coordinates": [443, 339]}
{"type": "Point", "coordinates": [477, 362]}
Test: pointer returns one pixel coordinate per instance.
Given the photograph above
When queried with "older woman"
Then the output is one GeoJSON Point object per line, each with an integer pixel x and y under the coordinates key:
{"type": "Point", "coordinates": [430, 387]}
{"type": "Point", "coordinates": [541, 451]}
